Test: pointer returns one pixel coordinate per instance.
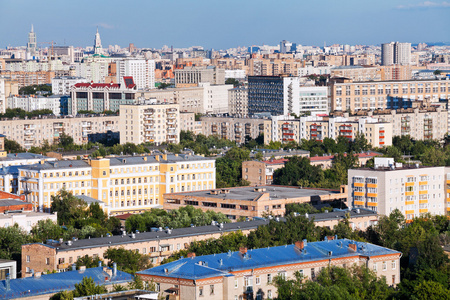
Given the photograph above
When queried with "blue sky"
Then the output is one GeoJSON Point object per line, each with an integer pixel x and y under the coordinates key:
{"type": "Point", "coordinates": [224, 24]}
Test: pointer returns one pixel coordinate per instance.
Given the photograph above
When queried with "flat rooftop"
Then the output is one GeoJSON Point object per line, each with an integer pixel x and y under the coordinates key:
{"type": "Point", "coordinates": [250, 194]}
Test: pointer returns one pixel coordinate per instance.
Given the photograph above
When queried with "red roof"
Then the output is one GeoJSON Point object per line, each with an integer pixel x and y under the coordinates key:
{"type": "Point", "coordinates": [124, 216]}
{"type": "Point", "coordinates": [97, 85]}
{"type": "Point", "coordinates": [129, 82]}
{"type": "Point", "coordinates": [275, 161]}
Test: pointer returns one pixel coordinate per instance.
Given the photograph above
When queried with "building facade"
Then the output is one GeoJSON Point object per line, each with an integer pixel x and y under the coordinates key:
{"type": "Point", "coordinates": [142, 71]}
{"type": "Point", "coordinates": [35, 102]}
{"type": "Point", "coordinates": [395, 53]}
{"type": "Point", "coordinates": [238, 102]}
{"type": "Point", "coordinates": [192, 76]}
{"type": "Point", "coordinates": [149, 122]}
{"type": "Point", "coordinates": [62, 85]}
{"type": "Point", "coordinates": [233, 129]}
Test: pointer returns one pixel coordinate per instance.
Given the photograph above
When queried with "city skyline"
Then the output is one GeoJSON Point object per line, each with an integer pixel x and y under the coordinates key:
{"type": "Point", "coordinates": [183, 24]}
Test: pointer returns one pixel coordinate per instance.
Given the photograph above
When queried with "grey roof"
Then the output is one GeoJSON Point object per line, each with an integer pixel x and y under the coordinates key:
{"type": "Point", "coordinates": [88, 200]}
{"type": "Point", "coordinates": [340, 214]}
{"type": "Point", "coordinates": [24, 155]}
{"type": "Point", "coordinates": [60, 164]}
{"type": "Point", "coordinates": [249, 193]}
{"type": "Point", "coordinates": [158, 235]}
{"type": "Point", "coordinates": [9, 202]}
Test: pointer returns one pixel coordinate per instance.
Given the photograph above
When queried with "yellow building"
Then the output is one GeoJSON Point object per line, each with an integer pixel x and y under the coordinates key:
{"type": "Point", "coordinates": [128, 184]}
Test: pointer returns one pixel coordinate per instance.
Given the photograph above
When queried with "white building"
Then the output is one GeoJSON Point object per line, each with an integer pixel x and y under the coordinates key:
{"type": "Point", "coordinates": [395, 53]}
{"type": "Point", "coordinates": [215, 97]}
{"type": "Point", "coordinates": [25, 220]}
{"type": "Point", "coordinates": [236, 74]}
{"type": "Point", "coordinates": [313, 99]}
{"type": "Point", "coordinates": [62, 85]}
{"type": "Point", "coordinates": [142, 71]}
{"type": "Point", "coordinates": [32, 102]}
{"type": "Point", "coordinates": [312, 70]}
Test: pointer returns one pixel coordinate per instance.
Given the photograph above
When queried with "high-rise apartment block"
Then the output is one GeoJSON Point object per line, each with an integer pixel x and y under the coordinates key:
{"type": "Point", "coordinates": [149, 122]}
{"type": "Point", "coordinates": [8, 87]}
{"type": "Point", "coordinates": [395, 53]}
{"type": "Point", "coordinates": [414, 190]}
{"type": "Point", "coordinates": [142, 71]}
{"type": "Point", "coordinates": [238, 102]}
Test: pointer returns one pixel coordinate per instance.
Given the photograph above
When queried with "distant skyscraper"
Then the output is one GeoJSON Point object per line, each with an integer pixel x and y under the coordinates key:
{"type": "Point", "coordinates": [285, 46]}
{"type": "Point", "coordinates": [31, 45]}
{"type": "Point", "coordinates": [97, 44]}
{"type": "Point", "coordinates": [395, 54]}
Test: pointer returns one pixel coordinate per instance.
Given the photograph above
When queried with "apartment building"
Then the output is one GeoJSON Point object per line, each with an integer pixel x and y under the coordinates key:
{"type": "Point", "coordinates": [8, 87]}
{"type": "Point", "coordinates": [395, 53]}
{"type": "Point", "coordinates": [99, 97]}
{"type": "Point", "coordinates": [124, 184]}
{"type": "Point", "coordinates": [414, 190]}
{"type": "Point", "coordinates": [233, 129]}
{"type": "Point", "coordinates": [357, 73]}
{"type": "Point", "coordinates": [250, 273]}
{"type": "Point", "coordinates": [188, 123]}
{"type": "Point", "coordinates": [215, 98]}
{"type": "Point", "coordinates": [274, 66]}
{"type": "Point", "coordinates": [142, 71]}
{"type": "Point", "coordinates": [261, 172]}
{"type": "Point", "coordinates": [149, 122]}
{"type": "Point", "coordinates": [238, 102]}
{"type": "Point", "coordinates": [158, 244]}
{"type": "Point", "coordinates": [190, 99]}
{"type": "Point", "coordinates": [192, 76]}
{"type": "Point", "coordinates": [347, 95]}
{"type": "Point", "coordinates": [288, 129]}
{"type": "Point", "coordinates": [25, 78]}
{"type": "Point", "coordinates": [33, 132]}
{"type": "Point", "coordinates": [62, 85]}
{"type": "Point", "coordinates": [252, 201]}
{"type": "Point", "coordinates": [420, 123]}
{"type": "Point", "coordinates": [35, 102]}
{"type": "Point", "coordinates": [313, 100]}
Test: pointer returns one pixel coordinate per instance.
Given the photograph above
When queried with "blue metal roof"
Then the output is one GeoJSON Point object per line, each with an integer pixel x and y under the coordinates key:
{"type": "Point", "coordinates": [54, 283]}
{"type": "Point", "coordinates": [220, 264]}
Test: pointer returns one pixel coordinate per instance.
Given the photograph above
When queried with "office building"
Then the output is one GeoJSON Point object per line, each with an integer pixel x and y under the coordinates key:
{"type": "Point", "coordinates": [149, 122]}
{"type": "Point", "coordinates": [347, 95]}
{"type": "Point", "coordinates": [31, 45]}
{"type": "Point", "coordinates": [33, 132]}
{"type": "Point", "coordinates": [99, 97]}
{"type": "Point", "coordinates": [395, 53]}
{"type": "Point", "coordinates": [215, 98]}
{"type": "Point", "coordinates": [275, 95]}
{"type": "Point", "coordinates": [250, 273]}
{"type": "Point", "coordinates": [252, 201]}
{"type": "Point", "coordinates": [142, 71]}
{"type": "Point", "coordinates": [123, 184]}
{"type": "Point", "coordinates": [313, 100]}
{"type": "Point", "coordinates": [414, 190]}
{"type": "Point", "coordinates": [192, 76]}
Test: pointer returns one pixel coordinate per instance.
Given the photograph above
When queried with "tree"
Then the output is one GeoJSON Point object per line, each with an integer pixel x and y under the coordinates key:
{"type": "Point", "coordinates": [88, 287]}
{"type": "Point", "coordinates": [229, 168]}
{"type": "Point", "coordinates": [12, 146]}
{"type": "Point", "coordinates": [70, 209]}
{"type": "Point", "coordinates": [88, 261]}
{"type": "Point", "coordinates": [296, 169]}
{"type": "Point", "coordinates": [65, 140]}
{"type": "Point", "coordinates": [437, 72]}
{"type": "Point", "coordinates": [63, 295]}
{"type": "Point", "coordinates": [232, 81]}
{"type": "Point", "coordinates": [11, 240]}
{"type": "Point", "coordinates": [129, 261]}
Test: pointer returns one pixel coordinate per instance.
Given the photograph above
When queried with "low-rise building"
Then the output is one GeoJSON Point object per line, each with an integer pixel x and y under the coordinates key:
{"type": "Point", "coordinates": [35, 102]}
{"type": "Point", "coordinates": [8, 267]}
{"type": "Point", "coordinates": [253, 201]}
{"type": "Point", "coordinates": [248, 273]}
{"type": "Point", "coordinates": [233, 129]}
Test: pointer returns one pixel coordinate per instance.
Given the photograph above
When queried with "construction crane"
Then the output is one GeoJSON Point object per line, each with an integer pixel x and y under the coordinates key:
{"type": "Point", "coordinates": [49, 43]}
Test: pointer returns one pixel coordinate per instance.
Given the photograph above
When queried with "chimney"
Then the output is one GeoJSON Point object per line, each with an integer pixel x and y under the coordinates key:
{"type": "Point", "coordinates": [352, 247]}
{"type": "Point", "coordinates": [243, 250]}
{"type": "Point", "coordinates": [145, 158]}
{"type": "Point", "coordinates": [42, 161]}
{"type": "Point", "coordinates": [114, 269]}
{"type": "Point", "coordinates": [108, 271]}
{"type": "Point", "coordinates": [330, 238]}
{"type": "Point", "coordinates": [8, 282]}
{"type": "Point", "coordinates": [191, 255]}
{"type": "Point", "coordinates": [100, 264]}
{"type": "Point", "coordinates": [164, 156]}
{"type": "Point", "coordinates": [157, 157]}
{"type": "Point", "coordinates": [299, 245]}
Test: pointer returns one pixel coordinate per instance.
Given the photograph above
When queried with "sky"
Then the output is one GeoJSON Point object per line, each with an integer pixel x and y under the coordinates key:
{"type": "Point", "coordinates": [223, 24]}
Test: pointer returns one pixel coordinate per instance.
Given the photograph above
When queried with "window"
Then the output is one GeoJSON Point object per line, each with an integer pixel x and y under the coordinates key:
{"type": "Point", "coordinates": [269, 278]}
{"type": "Point", "coordinates": [211, 289]}
{"type": "Point", "coordinates": [282, 274]}
{"type": "Point", "coordinates": [28, 258]}
{"type": "Point", "coordinates": [236, 283]}
{"type": "Point", "coordinates": [248, 281]}
{"type": "Point", "coordinates": [394, 265]}
{"type": "Point", "coordinates": [384, 266]}
{"type": "Point", "coordinates": [258, 280]}
{"type": "Point", "coordinates": [269, 294]}
{"type": "Point", "coordinates": [200, 291]}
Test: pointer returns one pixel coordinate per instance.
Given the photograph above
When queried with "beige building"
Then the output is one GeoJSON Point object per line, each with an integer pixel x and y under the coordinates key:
{"type": "Point", "coordinates": [238, 102]}
{"type": "Point", "coordinates": [190, 99]}
{"type": "Point", "coordinates": [149, 122]}
{"type": "Point", "coordinates": [192, 76]}
{"type": "Point", "coordinates": [414, 190]}
{"type": "Point", "coordinates": [8, 87]}
{"type": "Point", "coordinates": [347, 95]}
{"type": "Point", "coordinates": [188, 123]}
{"type": "Point", "coordinates": [252, 201]}
{"type": "Point", "coordinates": [24, 78]}
{"type": "Point", "coordinates": [420, 123]}
{"type": "Point", "coordinates": [33, 132]}
{"type": "Point", "coordinates": [250, 273]}
{"type": "Point", "coordinates": [233, 129]}
{"type": "Point", "coordinates": [126, 184]}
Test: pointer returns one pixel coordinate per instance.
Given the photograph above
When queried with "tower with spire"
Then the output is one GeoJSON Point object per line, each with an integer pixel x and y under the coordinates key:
{"type": "Point", "coordinates": [97, 43]}
{"type": "Point", "coordinates": [31, 45]}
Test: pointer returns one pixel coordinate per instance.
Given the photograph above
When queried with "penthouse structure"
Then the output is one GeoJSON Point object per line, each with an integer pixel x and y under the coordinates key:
{"type": "Point", "coordinates": [233, 129]}
{"type": "Point", "coordinates": [33, 132]}
{"type": "Point", "coordinates": [123, 184]}
{"type": "Point", "coordinates": [252, 201]}
{"type": "Point", "coordinates": [149, 122]}
{"type": "Point", "coordinates": [414, 190]}
{"type": "Point", "coordinates": [250, 273]}
{"type": "Point", "coordinates": [99, 97]}
{"type": "Point", "coordinates": [348, 95]}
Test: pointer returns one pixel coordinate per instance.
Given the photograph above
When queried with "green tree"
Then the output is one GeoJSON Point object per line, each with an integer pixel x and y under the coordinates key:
{"type": "Point", "coordinates": [11, 240]}
{"type": "Point", "coordinates": [69, 208]}
{"type": "Point", "coordinates": [232, 81]}
{"type": "Point", "coordinates": [129, 261]}
{"type": "Point", "coordinates": [63, 295]}
{"type": "Point", "coordinates": [88, 287]}
{"type": "Point", "coordinates": [12, 146]}
{"type": "Point", "coordinates": [296, 169]}
{"type": "Point", "coordinates": [88, 261]}
{"type": "Point", "coordinates": [229, 168]}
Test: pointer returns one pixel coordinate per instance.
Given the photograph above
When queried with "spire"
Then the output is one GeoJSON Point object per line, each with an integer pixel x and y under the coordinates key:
{"type": "Point", "coordinates": [97, 29]}
{"type": "Point", "coordinates": [32, 28]}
